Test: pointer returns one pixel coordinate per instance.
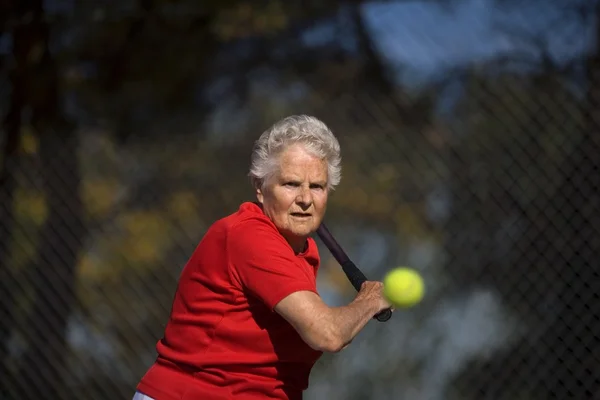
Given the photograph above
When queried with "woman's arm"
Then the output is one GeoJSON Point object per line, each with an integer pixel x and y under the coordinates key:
{"type": "Point", "coordinates": [330, 329]}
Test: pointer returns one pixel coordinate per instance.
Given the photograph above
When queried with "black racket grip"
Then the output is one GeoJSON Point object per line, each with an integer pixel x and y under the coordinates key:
{"type": "Point", "coordinates": [384, 315]}
{"type": "Point", "coordinates": [357, 278]}
{"type": "Point", "coordinates": [355, 275]}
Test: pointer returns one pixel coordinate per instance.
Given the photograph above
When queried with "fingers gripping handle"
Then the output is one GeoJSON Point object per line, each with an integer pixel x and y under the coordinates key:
{"type": "Point", "coordinates": [384, 315]}
{"type": "Point", "coordinates": [357, 278]}
{"type": "Point", "coordinates": [355, 275]}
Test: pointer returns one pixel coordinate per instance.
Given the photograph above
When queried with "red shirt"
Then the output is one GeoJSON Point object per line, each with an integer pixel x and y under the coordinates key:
{"type": "Point", "coordinates": [223, 340]}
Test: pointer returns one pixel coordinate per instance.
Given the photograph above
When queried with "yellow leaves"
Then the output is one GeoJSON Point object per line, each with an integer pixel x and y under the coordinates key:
{"type": "Point", "coordinates": [182, 206]}
{"type": "Point", "coordinates": [386, 176]}
{"type": "Point", "coordinates": [369, 195]}
{"type": "Point", "coordinates": [145, 236]}
{"type": "Point", "coordinates": [141, 250]}
{"type": "Point", "coordinates": [29, 142]}
{"type": "Point", "coordinates": [409, 221]}
{"type": "Point", "coordinates": [377, 196]}
{"type": "Point", "coordinates": [104, 146]}
{"type": "Point", "coordinates": [23, 249]}
{"type": "Point", "coordinates": [99, 195]}
{"type": "Point", "coordinates": [139, 241]}
{"type": "Point", "coordinates": [30, 206]}
{"type": "Point", "coordinates": [88, 269]}
{"type": "Point", "coordinates": [141, 223]}
{"type": "Point", "coordinates": [189, 161]}
{"type": "Point", "coordinates": [248, 19]}
{"type": "Point", "coordinates": [350, 198]}
{"type": "Point", "coordinates": [243, 12]}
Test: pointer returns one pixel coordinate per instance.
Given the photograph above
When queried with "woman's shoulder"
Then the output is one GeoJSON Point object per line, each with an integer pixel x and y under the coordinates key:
{"type": "Point", "coordinates": [248, 219]}
{"type": "Point", "coordinates": [251, 213]}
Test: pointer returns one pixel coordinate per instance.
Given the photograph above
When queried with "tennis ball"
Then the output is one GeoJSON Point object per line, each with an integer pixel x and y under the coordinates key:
{"type": "Point", "coordinates": [403, 287]}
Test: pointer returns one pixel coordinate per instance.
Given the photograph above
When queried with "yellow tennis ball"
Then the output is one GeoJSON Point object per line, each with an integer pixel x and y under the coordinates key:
{"type": "Point", "coordinates": [403, 287]}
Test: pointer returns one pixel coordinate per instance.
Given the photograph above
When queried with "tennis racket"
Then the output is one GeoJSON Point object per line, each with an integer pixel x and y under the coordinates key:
{"type": "Point", "coordinates": [354, 275]}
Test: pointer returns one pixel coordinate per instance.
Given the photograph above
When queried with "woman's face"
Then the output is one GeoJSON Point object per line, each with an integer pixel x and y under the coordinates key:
{"type": "Point", "coordinates": [295, 198]}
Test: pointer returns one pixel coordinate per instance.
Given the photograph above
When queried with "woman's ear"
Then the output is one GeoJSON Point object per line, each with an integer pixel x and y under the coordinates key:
{"type": "Point", "coordinates": [260, 196]}
{"type": "Point", "coordinates": [257, 189]}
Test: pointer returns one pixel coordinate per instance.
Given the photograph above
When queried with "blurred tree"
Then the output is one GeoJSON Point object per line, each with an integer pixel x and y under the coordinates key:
{"type": "Point", "coordinates": [145, 68]}
{"type": "Point", "coordinates": [210, 55]}
{"type": "Point", "coordinates": [35, 89]}
{"type": "Point", "coordinates": [516, 216]}
{"type": "Point", "coordinates": [156, 74]}
{"type": "Point", "coordinates": [8, 184]}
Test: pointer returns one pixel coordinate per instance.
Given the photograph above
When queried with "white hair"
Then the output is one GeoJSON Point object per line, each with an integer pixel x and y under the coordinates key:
{"type": "Point", "coordinates": [308, 131]}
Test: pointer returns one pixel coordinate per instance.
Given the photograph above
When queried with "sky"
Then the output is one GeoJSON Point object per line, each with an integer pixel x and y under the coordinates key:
{"type": "Point", "coordinates": [428, 38]}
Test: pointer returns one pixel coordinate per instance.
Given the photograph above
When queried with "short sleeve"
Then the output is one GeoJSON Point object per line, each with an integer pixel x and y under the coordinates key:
{"type": "Point", "coordinates": [264, 264]}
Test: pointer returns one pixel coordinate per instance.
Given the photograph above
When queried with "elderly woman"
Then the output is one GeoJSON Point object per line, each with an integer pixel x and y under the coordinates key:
{"type": "Point", "coordinates": [247, 321]}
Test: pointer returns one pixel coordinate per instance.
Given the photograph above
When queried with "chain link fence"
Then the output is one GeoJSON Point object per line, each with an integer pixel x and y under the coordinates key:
{"type": "Point", "coordinates": [494, 199]}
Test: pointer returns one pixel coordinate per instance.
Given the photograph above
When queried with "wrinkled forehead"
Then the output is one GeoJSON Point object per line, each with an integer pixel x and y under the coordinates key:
{"type": "Point", "coordinates": [299, 163]}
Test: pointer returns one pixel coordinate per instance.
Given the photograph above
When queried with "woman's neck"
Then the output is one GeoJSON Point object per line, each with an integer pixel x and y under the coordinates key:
{"type": "Point", "coordinates": [299, 245]}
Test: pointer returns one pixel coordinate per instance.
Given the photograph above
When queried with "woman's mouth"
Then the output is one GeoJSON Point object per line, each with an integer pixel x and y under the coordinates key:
{"type": "Point", "coordinates": [301, 215]}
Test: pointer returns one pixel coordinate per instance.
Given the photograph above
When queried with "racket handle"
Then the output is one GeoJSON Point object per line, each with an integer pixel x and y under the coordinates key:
{"type": "Point", "coordinates": [357, 278]}
{"type": "Point", "coordinates": [384, 315]}
{"type": "Point", "coordinates": [354, 275]}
